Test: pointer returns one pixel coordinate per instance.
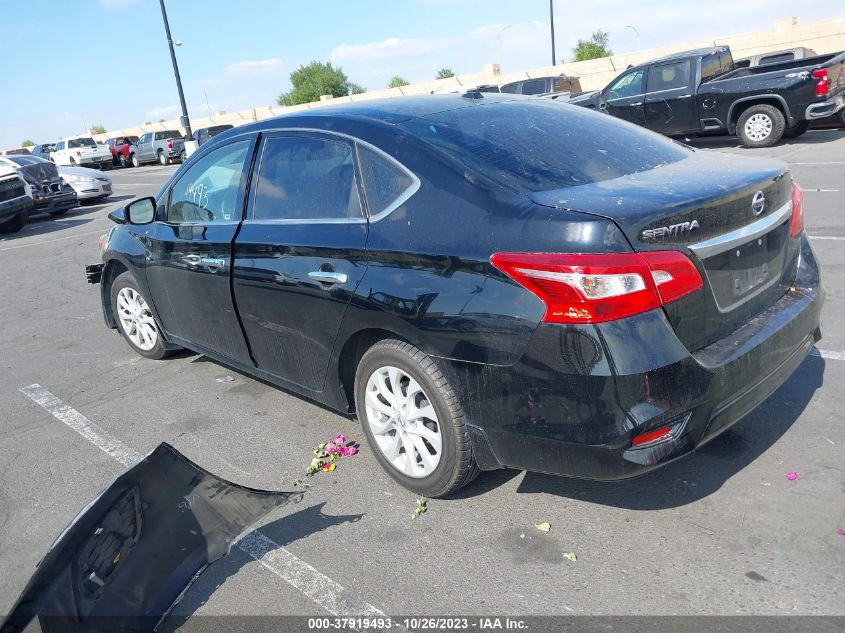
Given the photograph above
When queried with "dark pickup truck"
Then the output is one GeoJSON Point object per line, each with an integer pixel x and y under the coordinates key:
{"type": "Point", "coordinates": [700, 92]}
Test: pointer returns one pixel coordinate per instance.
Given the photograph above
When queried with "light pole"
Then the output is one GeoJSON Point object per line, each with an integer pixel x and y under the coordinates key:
{"type": "Point", "coordinates": [638, 34]}
{"type": "Point", "coordinates": [552, 21]}
{"type": "Point", "coordinates": [186, 123]}
{"type": "Point", "coordinates": [499, 44]}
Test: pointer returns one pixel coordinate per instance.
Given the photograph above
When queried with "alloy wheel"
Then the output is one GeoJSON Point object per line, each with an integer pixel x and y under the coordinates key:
{"type": "Point", "coordinates": [758, 127]}
{"type": "Point", "coordinates": [136, 319]}
{"type": "Point", "coordinates": [403, 422]}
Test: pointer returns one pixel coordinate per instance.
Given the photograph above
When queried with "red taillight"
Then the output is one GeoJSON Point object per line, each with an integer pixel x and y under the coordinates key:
{"type": "Point", "coordinates": [823, 84]}
{"type": "Point", "coordinates": [170, 144]}
{"type": "Point", "coordinates": [651, 436]}
{"type": "Point", "coordinates": [796, 223]}
{"type": "Point", "coordinates": [592, 288]}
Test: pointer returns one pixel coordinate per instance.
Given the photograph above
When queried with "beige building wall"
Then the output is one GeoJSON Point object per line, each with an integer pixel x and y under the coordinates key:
{"type": "Point", "coordinates": [823, 36]}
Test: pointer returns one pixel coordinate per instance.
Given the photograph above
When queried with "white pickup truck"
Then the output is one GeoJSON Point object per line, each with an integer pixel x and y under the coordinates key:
{"type": "Point", "coordinates": [81, 151]}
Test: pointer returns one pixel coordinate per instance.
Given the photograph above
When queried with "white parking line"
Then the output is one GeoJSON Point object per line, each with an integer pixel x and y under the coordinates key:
{"type": "Point", "coordinates": [827, 354]}
{"type": "Point", "coordinates": [330, 595]}
{"type": "Point", "coordinates": [826, 237]}
{"type": "Point", "coordinates": [830, 162]}
{"type": "Point", "coordinates": [136, 184]}
{"type": "Point", "coordinates": [58, 239]}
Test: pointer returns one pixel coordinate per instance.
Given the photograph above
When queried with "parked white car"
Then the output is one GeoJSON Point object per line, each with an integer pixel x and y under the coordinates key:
{"type": "Point", "coordinates": [81, 151]}
{"type": "Point", "coordinates": [89, 184]}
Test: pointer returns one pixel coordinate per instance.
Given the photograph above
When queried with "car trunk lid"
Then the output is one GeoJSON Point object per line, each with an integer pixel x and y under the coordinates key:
{"type": "Point", "coordinates": [729, 214]}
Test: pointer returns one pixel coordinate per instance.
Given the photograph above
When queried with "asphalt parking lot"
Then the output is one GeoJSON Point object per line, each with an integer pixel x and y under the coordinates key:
{"type": "Point", "coordinates": [720, 532]}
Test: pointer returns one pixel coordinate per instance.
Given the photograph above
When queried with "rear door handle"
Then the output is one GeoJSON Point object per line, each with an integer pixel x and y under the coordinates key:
{"type": "Point", "coordinates": [328, 277]}
{"type": "Point", "coordinates": [213, 263]}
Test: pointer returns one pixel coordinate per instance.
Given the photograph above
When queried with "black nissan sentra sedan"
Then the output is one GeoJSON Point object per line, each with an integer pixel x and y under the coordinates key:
{"type": "Point", "coordinates": [487, 281]}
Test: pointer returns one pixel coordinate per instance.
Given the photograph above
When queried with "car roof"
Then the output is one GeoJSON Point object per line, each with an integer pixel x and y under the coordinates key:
{"type": "Point", "coordinates": [390, 111]}
{"type": "Point", "coordinates": [696, 52]}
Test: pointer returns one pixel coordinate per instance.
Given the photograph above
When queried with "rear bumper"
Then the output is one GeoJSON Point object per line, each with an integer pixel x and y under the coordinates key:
{"type": "Point", "coordinates": [826, 108]}
{"type": "Point", "coordinates": [572, 405]}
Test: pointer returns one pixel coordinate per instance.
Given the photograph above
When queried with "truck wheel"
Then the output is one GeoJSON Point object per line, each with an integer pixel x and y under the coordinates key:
{"type": "Point", "coordinates": [162, 158]}
{"type": "Point", "coordinates": [135, 319]}
{"type": "Point", "coordinates": [72, 161]}
{"type": "Point", "coordinates": [760, 126]}
{"type": "Point", "coordinates": [842, 118]}
{"type": "Point", "coordinates": [413, 420]}
{"type": "Point", "coordinates": [15, 224]}
{"type": "Point", "coordinates": [134, 161]}
{"type": "Point", "coordinates": [796, 131]}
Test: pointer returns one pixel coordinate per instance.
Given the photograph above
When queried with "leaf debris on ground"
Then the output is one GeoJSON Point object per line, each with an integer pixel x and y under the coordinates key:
{"type": "Point", "coordinates": [570, 556]}
{"type": "Point", "coordinates": [543, 527]}
{"type": "Point", "coordinates": [422, 507]}
{"type": "Point", "coordinates": [226, 379]}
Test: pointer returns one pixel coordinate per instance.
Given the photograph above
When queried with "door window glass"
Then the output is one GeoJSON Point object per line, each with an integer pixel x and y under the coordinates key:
{"type": "Point", "coordinates": [210, 190]}
{"type": "Point", "coordinates": [384, 181]}
{"type": "Point", "coordinates": [629, 85]}
{"type": "Point", "coordinates": [302, 178]}
{"type": "Point", "coordinates": [512, 88]}
{"type": "Point", "coordinates": [669, 76]}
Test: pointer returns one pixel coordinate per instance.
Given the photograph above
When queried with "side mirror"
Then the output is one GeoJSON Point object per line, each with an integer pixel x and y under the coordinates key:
{"type": "Point", "coordinates": [141, 211]}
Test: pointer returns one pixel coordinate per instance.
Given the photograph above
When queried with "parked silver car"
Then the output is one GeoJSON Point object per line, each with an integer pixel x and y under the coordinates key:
{"type": "Point", "coordinates": [89, 184]}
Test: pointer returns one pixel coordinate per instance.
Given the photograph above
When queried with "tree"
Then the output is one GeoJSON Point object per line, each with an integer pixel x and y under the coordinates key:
{"type": "Point", "coordinates": [316, 79]}
{"type": "Point", "coordinates": [97, 129]}
{"type": "Point", "coordinates": [593, 48]}
{"type": "Point", "coordinates": [27, 143]}
{"type": "Point", "coordinates": [396, 81]}
{"type": "Point", "coordinates": [444, 73]}
{"type": "Point", "coordinates": [355, 89]}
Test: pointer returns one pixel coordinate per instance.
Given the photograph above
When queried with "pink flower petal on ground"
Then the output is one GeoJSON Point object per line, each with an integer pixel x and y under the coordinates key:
{"type": "Point", "coordinates": [792, 476]}
{"type": "Point", "coordinates": [351, 450]}
{"type": "Point", "coordinates": [329, 447]}
{"type": "Point", "coordinates": [841, 531]}
{"type": "Point", "coordinates": [340, 439]}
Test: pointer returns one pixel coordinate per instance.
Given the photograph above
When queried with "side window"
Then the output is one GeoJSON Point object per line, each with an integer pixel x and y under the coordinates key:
{"type": "Point", "coordinates": [60, 145]}
{"type": "Point", "coordinates": [629, 85]}
{"type": "Point", "coordinates": [512, 88]}
{"type": "Point", "coordinates": [143, 138]}
{"type": "Point", "coordinates": [159, 136]}
{"type": "Point", "coordinates": [304, 178]}
{"type": "Point", "coordinates": [534, 87]}
{"type": "Point", "coordinates": [210, 190]}
{"type": "Point", "coordinates": [384, 181]}
{"type": "Point", "coordinates": [669, 76]}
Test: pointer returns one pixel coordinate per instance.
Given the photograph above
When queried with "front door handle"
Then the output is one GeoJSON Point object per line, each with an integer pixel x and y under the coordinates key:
{"type": "Point", "coordinates": [328, 277]}
{"type": "Point", "coordinates": [213, 263]}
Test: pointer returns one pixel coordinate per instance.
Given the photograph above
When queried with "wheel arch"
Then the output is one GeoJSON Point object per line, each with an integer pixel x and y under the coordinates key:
{"type": "Point", "coordinates": [741, 105]}
{"type": "Point", "coordinates": [111, 270]}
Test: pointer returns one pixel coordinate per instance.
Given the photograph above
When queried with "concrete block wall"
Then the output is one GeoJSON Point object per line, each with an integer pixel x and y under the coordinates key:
{"type": "Point", "coordinates": [823, 36]}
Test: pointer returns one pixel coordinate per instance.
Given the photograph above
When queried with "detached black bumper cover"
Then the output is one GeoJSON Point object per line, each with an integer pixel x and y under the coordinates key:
{"type": "Point", "coordinates": [94, 273]}
{"type": "Point", "coordinates": [129, 555]}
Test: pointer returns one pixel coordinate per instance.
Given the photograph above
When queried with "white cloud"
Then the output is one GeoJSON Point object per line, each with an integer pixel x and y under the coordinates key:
{"type": "Point", "coordinates": [388, 49]}
{"type": "Point", "coordinates": [118, 4]}
{"type": "Point", "coordinates": [162, 112]}
{"type": "Point", "coordinates": [254, 67]}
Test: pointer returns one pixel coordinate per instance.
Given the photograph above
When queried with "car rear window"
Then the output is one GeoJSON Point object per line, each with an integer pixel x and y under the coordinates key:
{"type": "Point", "coordinates": [384, 181]}
{"type": "Point", "coordinates": [81, 142]}
{"type": "Point", "coordinates": [169, 134]}
{"type": "Point", "coordinates": [539, 145]}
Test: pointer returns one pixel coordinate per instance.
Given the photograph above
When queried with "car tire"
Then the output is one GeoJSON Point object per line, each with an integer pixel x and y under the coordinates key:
{"type": "Point", "coordinates": [760, 125]}
{"type": "Point", "coordinates": [797, 130]}
{"type": "Point", "coordinates": [134, 318]}
{"type": "Point", "coordinates": [134, 160]}
{"type": "Point", "coordinates": [163, 159]}
{"type": "Point", "coordinates": [15, 224]}
{"type": "Point", "coordinates": [405, 446]}
{"type": "Point", "coordinates": [842, 117]}
{"type": "Point", "coordinates": [72, 161]}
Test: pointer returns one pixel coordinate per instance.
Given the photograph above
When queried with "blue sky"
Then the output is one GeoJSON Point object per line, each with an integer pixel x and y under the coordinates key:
{"type": "Point", "coordinates": [71, 63]}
